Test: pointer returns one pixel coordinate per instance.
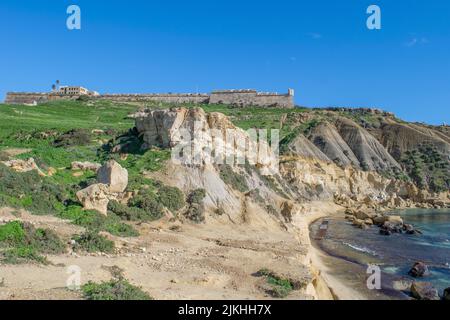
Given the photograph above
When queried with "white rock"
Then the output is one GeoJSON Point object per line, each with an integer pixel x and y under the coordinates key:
{"type": "Point", "coordinates": [113, 175]}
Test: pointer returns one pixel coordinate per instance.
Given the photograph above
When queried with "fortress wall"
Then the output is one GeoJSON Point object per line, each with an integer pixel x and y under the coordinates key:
{"type": "Point", "coordinates": [167, 98]}
{"type": "Point", "coordinates": [240, 98]}
{"type": "Point", "coordinates": [25, 97]}
{"type": "Point", "coordinates": [251, 98]}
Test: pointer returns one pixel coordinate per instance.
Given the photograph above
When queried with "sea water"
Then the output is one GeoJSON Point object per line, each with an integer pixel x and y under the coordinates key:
{"type": "Point", "coordinates": [395, 254]}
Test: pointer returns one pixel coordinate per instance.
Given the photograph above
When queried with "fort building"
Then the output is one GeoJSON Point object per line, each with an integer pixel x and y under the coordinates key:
{"type": "Point", "coordinates": [238, 98]}
{"type": "Point", "coordinates": [76, 91]}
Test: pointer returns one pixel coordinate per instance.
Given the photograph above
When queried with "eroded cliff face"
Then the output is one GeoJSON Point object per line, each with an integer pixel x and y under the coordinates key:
{"type": "Point", "coordinates": [327, 167]}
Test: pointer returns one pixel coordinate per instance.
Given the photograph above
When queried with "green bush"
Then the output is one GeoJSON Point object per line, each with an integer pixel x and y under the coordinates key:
{"type": "Point", "coordinates": [30, 191]}
{"type": "Point", "coordinates": [196, 210]}
{"type": "Point", "coordinates": [12, 233]}
{"type": "Point", "coordinates": [113, 290]}
{"type": "Point", "coordinates": [22, 254]}
{"type": "Point", "coordinates": [148, 202]}
{"type": "Point", "coordinates": [129, 213]}
{"type": "Point", "coordinates": [197, 196]}
{"type": "Point", "coordinates": [278, 287]}
{"type": "Point", "coordinates": [171, 197]}
{"type": "Point", "coordinates": [93, 242]}
{"type": "Point", "coordinates": [21, 242]}
{"type": "Point", "coordinates": [74, 137]}
{"type": "Point", "coordinates": [233, 179]}
{"type": "Point", "coordinates": [94, 221]}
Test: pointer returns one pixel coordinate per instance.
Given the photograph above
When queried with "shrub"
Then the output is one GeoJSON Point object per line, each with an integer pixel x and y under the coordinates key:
{"type": "Point", "coordinates": [22, 254]}
{"type": "Point", "coordinates": [197, 196]}
{"type": "Point", "coordinates": [44, 240]}
{"type": "Point", "coordinates": [171, 197]}
{"type": "Point", "coordinates": [233, 179]}
{"type": "Point", "coordinates": [148, 202]}
{"type": "Point", "coordinates": [278, 287]}
{"type": "Point", "coordinates": [93, 242]}
{"type": "Point", "coordinates": [30, 191]}
{"type": "Point", "coordinates": [21, 242]}
{"type": "Point", "coordinates": [196, 210]}
{"type": "Point", "coordinates": [119, 229]}
{"type": "Point", "coordinates": [114, 289]}
{"type": "Point", "coordinates": [94, 221]}
{"type": "Point", "coordinates": [12, 233]}
{"type": "Point", "coordinates": [74, 137]}
{"type": "Point", "coordinates": [129, 213]}
{"type": "Point", "coordinates": [196, 213]}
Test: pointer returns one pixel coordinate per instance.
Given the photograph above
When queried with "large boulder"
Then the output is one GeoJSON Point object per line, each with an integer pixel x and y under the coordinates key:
{"type": "Point", "coordinates": [379, 220]}
{"type": "Point", "coordinates": [419, 270]}
{"type": "Point", "coordinates": [113, 175]}
{"type": "Point", "coordinates": [424, 291]}
{"type": "Point", "coordinates": [396, 220]}
{"type": "Point", "coordinates": [446, 295]}
{"type": "Point", "coordinates": [95, 197]}
{"type": "Point", "coordinates": [363, 215]}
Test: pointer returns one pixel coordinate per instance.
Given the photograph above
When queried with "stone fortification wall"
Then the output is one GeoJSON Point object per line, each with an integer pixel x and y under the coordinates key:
{"type": "Point", "coordinates": [245, 98]}
{"type": "Point", "coordinates": [26, 97]}
{"type": "Point", "coordinates": [239, 98]}
{"type": "Point", "coordinates": [168, 98]}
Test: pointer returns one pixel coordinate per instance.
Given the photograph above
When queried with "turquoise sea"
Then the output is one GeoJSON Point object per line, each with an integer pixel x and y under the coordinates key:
{"type": "Point", "coordinates": [352, 249]}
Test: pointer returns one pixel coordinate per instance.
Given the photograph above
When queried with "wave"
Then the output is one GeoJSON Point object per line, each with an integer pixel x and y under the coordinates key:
{"type": "Point", "coordinates": [361, 249]}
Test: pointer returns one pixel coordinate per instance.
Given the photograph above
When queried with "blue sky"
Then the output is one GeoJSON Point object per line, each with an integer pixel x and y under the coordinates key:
{"type": "Point", "coordinates": [320, 48]}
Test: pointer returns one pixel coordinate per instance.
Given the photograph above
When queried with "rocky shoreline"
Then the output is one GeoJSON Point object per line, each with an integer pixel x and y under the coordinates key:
{"type": "Point", "coordinates": [417, 288]}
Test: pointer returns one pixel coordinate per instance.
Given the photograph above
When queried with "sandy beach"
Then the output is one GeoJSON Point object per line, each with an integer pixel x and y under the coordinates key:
{"type": "Point", "coordinates": [328, 286]}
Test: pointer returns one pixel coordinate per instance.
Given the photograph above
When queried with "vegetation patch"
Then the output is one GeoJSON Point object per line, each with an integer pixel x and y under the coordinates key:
{"type": "Point", "coordinates": [171, 197]}
{"type": "Point", "coordinates": [30, 191]}
{"type": "Point", "coordinates": [93, 242]}
{"type": "Point", "coordinates": [115, 289]}
{"type": "Point", "coordinates": [96, 222]}
{"type": "Point", "coordinates": [277, 286]}
{"type": "Point", "coordinates": [21, 242]}
{"type": "Point", "coordinates": [427, 167]}
{"type": "Point", "coordinates": [74, 137]}
{"type": "Point", "coordinates": [231, 178]}
{"type": "Point", "coordinates": [196, 210]}
{"type": "Point", "coordinates": [148, 202]}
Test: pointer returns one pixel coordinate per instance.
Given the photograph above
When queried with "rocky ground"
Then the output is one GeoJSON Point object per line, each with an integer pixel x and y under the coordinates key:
{"type": "Point", "coordinates": [173, 260]}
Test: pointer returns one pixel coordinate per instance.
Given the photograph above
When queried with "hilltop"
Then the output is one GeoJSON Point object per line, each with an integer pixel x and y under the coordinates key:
{"type": "Point", "coordinates": [221, 223]}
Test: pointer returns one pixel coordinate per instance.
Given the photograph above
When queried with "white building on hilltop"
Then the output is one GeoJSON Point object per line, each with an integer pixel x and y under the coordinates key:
{"type": "Point", "coordinates": [76, 91]}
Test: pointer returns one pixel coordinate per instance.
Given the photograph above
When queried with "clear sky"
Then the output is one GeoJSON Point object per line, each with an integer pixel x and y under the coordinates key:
{"type": "Point", "coordinates": [320, 48]}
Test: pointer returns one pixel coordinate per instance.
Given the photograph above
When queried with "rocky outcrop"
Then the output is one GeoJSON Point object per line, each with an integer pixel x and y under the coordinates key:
{"type": "Point", "coordinates": [446, 295]}
{"type": "Point", "coordinates": [113, 175]}
{"type": "Point", "coordinates": [304, 148]}
{"type": "Point", "coordinates": [19, 165]}
{"type": "Point", "coordinates": [95, 197]}
{"type": "Point", "coordinates": [326, 137]}
{"type": "Point", "coordinates": [85, 166]}
{"type": "Point", "coordinates": [399, 138]}
{"type": "Point", "coordinates": [371, 154]}
{"type": "Point", "coordinates": [112, 182]}
{"type": "Point", "coordinates": [419, 270]}
{"type": "Point", "coordinates": [203, 138]}
{"type": "Point", "coordinates": [424, 291]}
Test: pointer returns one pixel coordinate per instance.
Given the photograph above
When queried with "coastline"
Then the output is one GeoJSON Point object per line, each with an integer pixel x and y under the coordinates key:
{"type": "Point", "coordinates": [327, 286]}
